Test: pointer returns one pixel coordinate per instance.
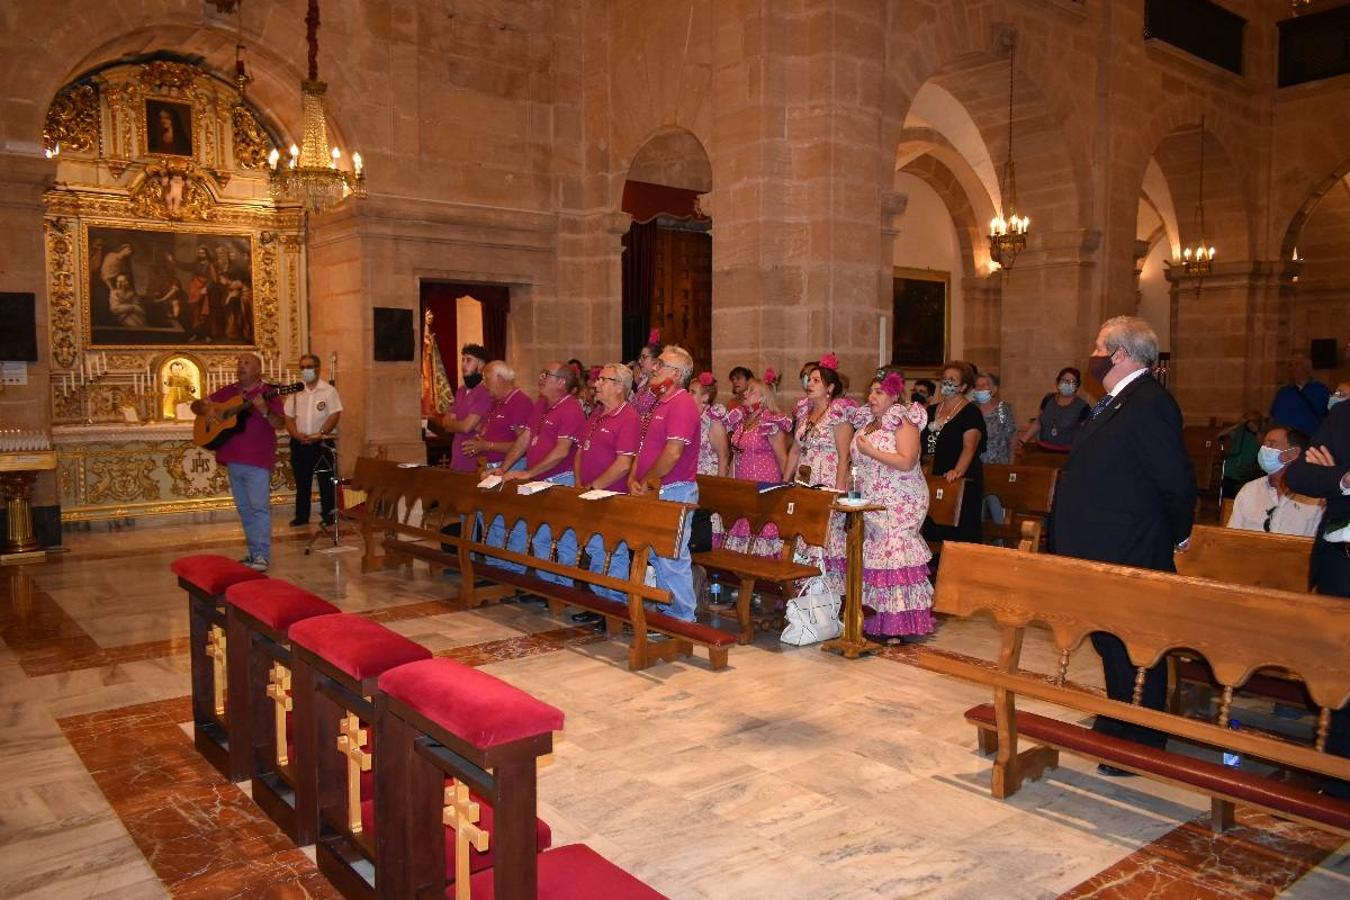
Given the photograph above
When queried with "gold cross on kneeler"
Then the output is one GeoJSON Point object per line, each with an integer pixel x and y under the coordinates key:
{"type": "Point", "coordinates": [215, 649]}
{"type": "Point", "coordinates": [351, 738]}
{"type": "Point", "coordinates": [279, 689]}
{"type": "Point", "coordinates": [461, 814]}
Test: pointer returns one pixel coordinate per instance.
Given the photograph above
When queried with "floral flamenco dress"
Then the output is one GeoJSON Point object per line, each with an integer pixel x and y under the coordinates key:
{"type": "Point", "coordinates": [895, 557]}
{"type": "Point", "coordinates": [707, 456]}
{"type": "Point", "coordinates": [818, 451]}
{"type": "Point", "coordinates": [752, 459]}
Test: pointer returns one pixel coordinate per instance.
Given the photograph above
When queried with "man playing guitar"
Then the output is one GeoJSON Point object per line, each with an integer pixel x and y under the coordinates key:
{"type": "Point", "coordinates": [250, 455]}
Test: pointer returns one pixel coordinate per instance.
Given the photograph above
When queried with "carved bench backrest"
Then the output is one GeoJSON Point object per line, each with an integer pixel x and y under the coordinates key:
{"type": "Point", "coordinates": [1022, 489]}
{"type": "Point", "coordinates": [796, 511]}
{"type": "Point", "coordinates": [1247, 557]}
{"type": "Point", "coordinates": [1205, 448]}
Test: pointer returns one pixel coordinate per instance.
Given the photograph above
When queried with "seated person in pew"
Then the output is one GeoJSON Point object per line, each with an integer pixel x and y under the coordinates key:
{"type": "Point", "coordinates": [885, 453]}
{"type": "Point", "coordinates": [1267, 504]}
{"type": "Point", "coordinates": [609, 444]}
{"type": "Point", "coordinates": [506, 419]}
{"type": "Point", "coordinates": [667, 465]}
{"type": "Point", "coordinates": [1324, 471]}
{"type": "Point", "coordinates": [548, 444]}
{"type": "Point", "coordinates": [1127, 496]}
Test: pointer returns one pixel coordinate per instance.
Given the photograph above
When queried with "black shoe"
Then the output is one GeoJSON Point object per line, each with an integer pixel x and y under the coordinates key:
{"type": "Point", "coordinates": [585, 618]}
{"type": "Point", "coordinates": [296, 523]}
{"type": "Point", "coordinates": [1113, 772]}
{"type": "Point", "coordinates": [328, 521]}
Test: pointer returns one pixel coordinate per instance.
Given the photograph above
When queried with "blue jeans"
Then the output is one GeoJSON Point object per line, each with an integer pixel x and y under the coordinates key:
{"type": "Point", "coordinates": [618, 566]}
{"type": "Point", "coordinates": [252, 490]}
{"type": "Point", "coordinates": [676, 574]}
{"type": "Point", "coordinates": [496, 536]}
{"type": "Point", "coordinates": [543, 538]}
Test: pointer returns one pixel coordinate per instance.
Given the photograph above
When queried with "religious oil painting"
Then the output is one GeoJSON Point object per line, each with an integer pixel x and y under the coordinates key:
{"type": "Point", "coordinates": [168, 288]}
{"type": "Point", "coordinates": [920, 313]}
{"type": "Point", "coordinates": [168, 127]}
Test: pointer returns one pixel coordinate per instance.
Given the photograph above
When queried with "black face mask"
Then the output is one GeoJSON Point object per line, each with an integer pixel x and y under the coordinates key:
{"type": "Point", "coordinates": [918, 397]}
{"type": "Point", "coordinates": [472, 381]}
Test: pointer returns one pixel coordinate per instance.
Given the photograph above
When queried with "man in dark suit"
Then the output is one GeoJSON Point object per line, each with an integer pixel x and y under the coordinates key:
{"type": "Point", "coordinates": [1126, 495]}
{"type": "Point", "coordinates": [1324, 471]}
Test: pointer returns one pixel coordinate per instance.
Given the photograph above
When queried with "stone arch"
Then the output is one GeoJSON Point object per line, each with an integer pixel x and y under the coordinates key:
{"type": "Point", "coordinates": [674, 157]}
{"type": "Point", "coordinates": [1227, 204]}
{"type": "Point", "coordinates": [1313, 291]}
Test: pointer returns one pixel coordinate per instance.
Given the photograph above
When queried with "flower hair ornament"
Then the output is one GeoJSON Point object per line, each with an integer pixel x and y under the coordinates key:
{"type": "Point", "coordinates": [770, 378]}
{"type": "Point", "coordinates": [894, 384]}
{"type": "Point", "coordinates": [654, 337]}
{"type": "Point", "coordinates": [706, 379]}
{"type": "Point", "coordinates": [595, 372]}
{"type": "Point", "coordinates": [829, 361]}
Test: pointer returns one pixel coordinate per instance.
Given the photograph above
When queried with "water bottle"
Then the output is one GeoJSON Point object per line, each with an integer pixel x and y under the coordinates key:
{"type": "Point", "coordinates": [714, 589]}
{"type": "Point", "coordinates": [854, 493]}
{"type": "Point", "coordinates": [1233, 759]}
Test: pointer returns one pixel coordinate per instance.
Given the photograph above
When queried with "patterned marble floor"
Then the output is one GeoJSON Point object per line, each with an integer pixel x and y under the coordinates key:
{"type": "Point", "coordinates": [791, 774]}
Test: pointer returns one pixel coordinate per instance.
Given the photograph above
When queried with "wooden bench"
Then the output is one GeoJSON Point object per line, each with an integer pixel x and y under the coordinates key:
{"type": "Point", "coordinates": [797, 512]}
{"type": "Point", "coordinates": [647, 527]}
{"type": "Point", "coordinates": [1031, 455]}
{"type": "Point", "coordinates": [1026, 493]}
{"type": "Point", "coordinates": [1237, 629]}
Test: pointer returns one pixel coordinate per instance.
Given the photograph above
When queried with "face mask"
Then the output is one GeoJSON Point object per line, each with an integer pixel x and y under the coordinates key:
{"type": "Point", "coordinates": [1068, 388]}
{"type": "Point", "coordinates": [1100, 366]}
{"type": "Point", "coordinates": [919, 397]}
{"type": "Point", "coordinates": [308, 375]}
{"type": "Point", "coordinates": [472, 381]}
{"type": "Point", "coordinates": [1333, 400]}
{"type": "Point", "coordinates": [753, 407]}
{"type": "Point", "coordinates": [1268, 458]}
{"type": "Point", "coordinates": [949, 388]}
{"type": "Point", "coordinates": [983, 396]}
{"type": "Point", "coordinates": [806, 382]}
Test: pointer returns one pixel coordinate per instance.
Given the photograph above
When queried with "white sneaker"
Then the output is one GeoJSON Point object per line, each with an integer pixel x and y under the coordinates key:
{"type": "Point", "coordinates": [259, 564]}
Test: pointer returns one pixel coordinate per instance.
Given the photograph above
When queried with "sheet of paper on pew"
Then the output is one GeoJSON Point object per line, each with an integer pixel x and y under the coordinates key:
{"type": "Point", "coordinates": [533, 487]}
{"type": "Point", "coordinates": [490, 482]}
{"type": "Point", "coordinates": [766, 487]}
{"type": "Point", "coordinates": [409, 465]}
{"type": "Point", "coordinates": [598, 494]}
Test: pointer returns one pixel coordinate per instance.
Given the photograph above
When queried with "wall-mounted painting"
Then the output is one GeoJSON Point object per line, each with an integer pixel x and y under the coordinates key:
{"type": "Point", "coordinates": [920, 313]}
{"type": "Point", "coordinates": [159, 288]}
{"type": "Point", "coordinates": [168, 127]}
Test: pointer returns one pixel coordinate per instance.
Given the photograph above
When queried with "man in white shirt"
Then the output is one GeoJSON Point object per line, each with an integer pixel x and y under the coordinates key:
{"type": "Point", "coordinates": [1267, 504]}
{"type": "Point", "coordinates": [311, 419]}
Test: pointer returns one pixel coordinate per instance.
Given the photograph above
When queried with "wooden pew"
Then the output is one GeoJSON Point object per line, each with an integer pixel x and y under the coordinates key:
{"type": "Point", "coordinates": [1225, 511]}
{"type": "Point", "coordinates": [1235, 628]}
{"type": "Point", "coordinates": [1027, 493]}
{"type": "Point", "coordinates": [1031, 455]}
{"type": "Point", "coordinates": [1206, 450]}
{"type": "Point", "coordinates": [798, 512]}
{"type": "Point", "coordinates": [646, 525]}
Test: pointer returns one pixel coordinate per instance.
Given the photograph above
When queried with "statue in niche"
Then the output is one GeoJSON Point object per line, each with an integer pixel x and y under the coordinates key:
{"type": "Point", "coordinates": [180, 382]}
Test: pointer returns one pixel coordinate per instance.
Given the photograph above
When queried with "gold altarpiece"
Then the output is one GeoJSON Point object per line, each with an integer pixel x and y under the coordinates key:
{"type": "Point", "coordinates": [166, 258]}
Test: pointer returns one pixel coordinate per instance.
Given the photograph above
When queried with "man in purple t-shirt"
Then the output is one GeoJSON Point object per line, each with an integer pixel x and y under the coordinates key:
{"type": "Point", "coordinates": [507, 419]}
{"type": "Point", "coordinates": [548, 445]}
{"type": "Point", "coordinates": [250, 455]}
{"type": "Point", "coordinates": [609, 444]}
{"type": "Point", "coordinates": [667, 464]}
{"type": "Point", "coordinates": [472, 403]}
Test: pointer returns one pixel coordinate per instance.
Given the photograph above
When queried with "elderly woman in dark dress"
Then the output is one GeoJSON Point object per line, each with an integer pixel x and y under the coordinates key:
{"type": "Point", "coordinates": [1063, 414]}
{"type": "Point", "coordinates": [953, 441]}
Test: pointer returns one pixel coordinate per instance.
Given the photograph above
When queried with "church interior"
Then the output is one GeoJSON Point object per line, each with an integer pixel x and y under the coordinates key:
{"type": "Point", "coordinates": [897, 184]}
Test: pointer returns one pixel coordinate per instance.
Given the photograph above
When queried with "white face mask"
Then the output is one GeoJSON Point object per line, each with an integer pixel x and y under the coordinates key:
{"type": "Point", "coordinates": [1268, 458]}
{"type": "Point", "coordinates": [308, 376]}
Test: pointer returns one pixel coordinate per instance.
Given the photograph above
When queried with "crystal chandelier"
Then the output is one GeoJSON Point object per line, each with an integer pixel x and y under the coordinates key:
{"type": "Point", "coordinates": [1196, 259]}
{"type": "Point", "coordinates": [311, 176]}
{"type": "Point", "coordinates": [1008, 230]}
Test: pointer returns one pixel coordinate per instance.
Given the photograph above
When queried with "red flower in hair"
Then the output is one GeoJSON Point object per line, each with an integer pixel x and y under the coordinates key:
{"type": "Point", "coordinates": [894, 384]}
{"type": "Point", "coordinates": [654, 336]}
{"type": "Point", "coordinates": [595, 372]}
{"type": "Point", "coordinates": [830, 361]}
{"type": "Point", "coordinates": [770, 377]}
{"type": "Point", "coordinates": [706, 379]}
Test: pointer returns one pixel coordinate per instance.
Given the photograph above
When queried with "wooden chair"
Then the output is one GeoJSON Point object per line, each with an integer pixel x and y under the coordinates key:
{"type": "Point", "coordinates": [1026, 493]}
{"type": "Point", "coordinates": [799, 514]}
{"type": "Point", "coordinates": [1234, 627]}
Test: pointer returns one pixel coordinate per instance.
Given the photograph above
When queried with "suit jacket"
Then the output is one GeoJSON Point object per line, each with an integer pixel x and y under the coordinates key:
{"type": "Point", "coordinates": [1127, 493]}
{"type": "Point", "coordinates": [1304, 478]}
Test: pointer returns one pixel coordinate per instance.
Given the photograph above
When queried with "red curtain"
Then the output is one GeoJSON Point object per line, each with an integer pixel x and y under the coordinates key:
{"type": "Point", "coordinates": [441, 296]}
{"type": "Point", "coordinates": [639, 281]}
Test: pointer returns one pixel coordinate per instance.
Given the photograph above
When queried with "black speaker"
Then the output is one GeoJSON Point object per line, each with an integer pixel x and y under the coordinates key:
{"type": "Point", "coordinates": [18, 327]}
{"type": "Point", "coordinates": [393, 334]}
{"type": "Point", "coordinates": [1322, 352]}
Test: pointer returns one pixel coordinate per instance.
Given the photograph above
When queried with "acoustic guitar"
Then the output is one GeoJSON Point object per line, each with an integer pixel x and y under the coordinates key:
{"type": "Point", "coordinates": [219, 422]}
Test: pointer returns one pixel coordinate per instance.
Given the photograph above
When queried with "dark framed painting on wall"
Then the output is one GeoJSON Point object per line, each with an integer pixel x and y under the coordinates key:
{"type": "Point", "coordinates": [920, 316]}
{"type": "Point", "coordinates": [168, 127]}
{"type": "Point", "coordinates": [161, 287]}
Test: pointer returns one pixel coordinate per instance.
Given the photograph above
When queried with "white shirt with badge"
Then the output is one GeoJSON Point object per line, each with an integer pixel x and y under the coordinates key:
{"type": "Point", "coordinates": [311, 407]}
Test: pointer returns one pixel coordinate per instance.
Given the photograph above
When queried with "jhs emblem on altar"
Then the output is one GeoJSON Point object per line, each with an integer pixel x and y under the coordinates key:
{"type": "Point", "coordinates": [198, 464]}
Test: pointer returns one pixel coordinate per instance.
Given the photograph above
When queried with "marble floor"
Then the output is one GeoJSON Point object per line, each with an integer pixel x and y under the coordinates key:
{"type": "Point", "coordinates": [792, 774]}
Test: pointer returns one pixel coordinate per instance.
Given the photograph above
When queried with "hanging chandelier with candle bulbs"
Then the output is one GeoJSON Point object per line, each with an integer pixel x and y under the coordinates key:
{"type": "Point", "coordinates": [312, 176]}
{"type": "Point", "coordinates": [1198, 258]}
{"type": "Point", "coordinates": [1008, 229]}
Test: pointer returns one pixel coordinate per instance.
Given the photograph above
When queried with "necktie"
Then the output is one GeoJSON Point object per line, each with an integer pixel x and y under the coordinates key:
{"type": "Point", "coordinates": [1102, 404]}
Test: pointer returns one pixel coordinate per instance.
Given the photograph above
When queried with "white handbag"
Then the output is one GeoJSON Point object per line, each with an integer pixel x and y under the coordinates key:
{"type": "Point", "coordinates": [813, 615]}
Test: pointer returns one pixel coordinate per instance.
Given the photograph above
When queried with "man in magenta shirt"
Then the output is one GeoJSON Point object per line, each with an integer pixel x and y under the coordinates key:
{"type": "Point", "coordinates": [250, 455]}
{"type": "Point", "coordinates": [472, 403]}
{"type": "Point", "coordinates": [507, 419]}
{"type": "Point", "coordinates": [667, 464]}
{"type": "Point", "coordinates": [609, 444]}
{"type": "Point", "coordinates": [548, 445]}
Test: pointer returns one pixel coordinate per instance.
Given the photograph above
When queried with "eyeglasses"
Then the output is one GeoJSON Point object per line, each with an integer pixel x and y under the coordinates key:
{"type": "Point", "coordinates": [662, 364]}
{"type": "Point", "coordinates": [608, 378]}
{"type": "Point", "coordinates": [561, 376]}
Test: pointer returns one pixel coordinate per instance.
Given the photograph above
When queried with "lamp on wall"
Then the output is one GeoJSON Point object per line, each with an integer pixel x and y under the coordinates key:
{"type": "Point", "coordinates": [311, 176]}
{"type": "Point", "coordinates": [1008, 229]}
{"type": "Point", "coordinates": [1196, 259]}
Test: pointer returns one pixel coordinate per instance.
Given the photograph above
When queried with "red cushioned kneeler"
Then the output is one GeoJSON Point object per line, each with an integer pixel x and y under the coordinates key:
{"type": "Point", "coordinates": [338, 660]}
{"type": "Point", "coordinates": [205, 577]}
{"type": "Point", "coordinates": [439, 718]}
{"type": "Point", "coordinates": [258, 615]}
{"type": "Point", "coordinates": [574, 872]}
